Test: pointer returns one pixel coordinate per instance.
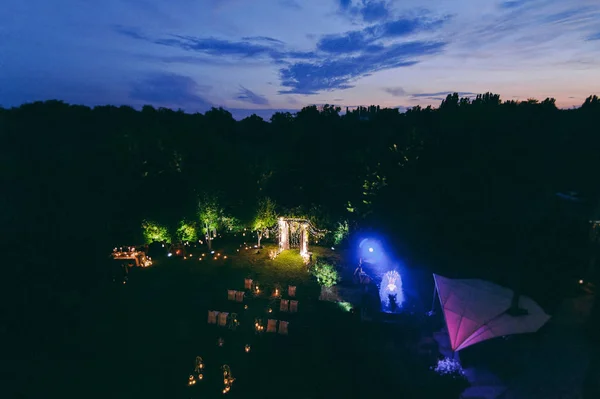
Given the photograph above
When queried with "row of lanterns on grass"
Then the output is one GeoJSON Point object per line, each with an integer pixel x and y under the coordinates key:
{"type": "Point", "coordinates": [198, 374]}
{"type": "Point", "coordinates": [217, 255]}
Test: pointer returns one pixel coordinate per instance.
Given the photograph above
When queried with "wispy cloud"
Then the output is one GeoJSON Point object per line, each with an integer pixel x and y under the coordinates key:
{"type": "Point", "coordinates": [440, 95]}
{"type": "Point", "coordinates": [444, 93]}
{"type": "Point", "coordinates": [531, 29]}
{"type": "Point", "coordinates": [358, 53]}
{"type": "Point", "coordinates": [339, 73]}
{"type": "Point", "coordinates": [369, 39]}
{"type": "Point", "coordinates": [170, 90]}
{"type": "Point", "coordinates": [395, 91]}
{"type": "Point", "coordinates": [594, 37]}
{"type": "Point", "coordinates": [512, 3]}
{"type": "Point", "coordinates": [571, 15]}
{"type": "Point", "coordinates": [248, 47]}
{"type": "Point", "coordinates": [336, 62]}
{"type": "Point", "coordinates": [133, 33]}
{"type": "Point", "coordinates": [366, 10]}
{"type": "Point", "coordinates": [262, 39]}
{"type": "Point", "coordinates": [251, 97]}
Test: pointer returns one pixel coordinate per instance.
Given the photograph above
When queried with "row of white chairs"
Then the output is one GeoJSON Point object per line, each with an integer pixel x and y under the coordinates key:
{"type": "Point", "coordinates": [234, 295]}
{"type": "Point", "coordinates": [220, 318]}
{"type": "Point", "coordinates": [272, 326]}
{"type": "Point", "coordinates": [287, 305]}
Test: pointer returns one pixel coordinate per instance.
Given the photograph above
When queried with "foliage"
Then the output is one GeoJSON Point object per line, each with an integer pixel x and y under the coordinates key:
{"type": "Point", "coordinates": [154, 232]}
{"type": "Point", "coordinates": [489, 166]}
{"type": "Point", "coordinates": [341, 232]}
{"type": "Point", "coordinates": [266, 215]}
{"type": "Point", "coordinates": [325, 273]}
{"type": "Point", "coordinates": [210, 214]}
{"type": "Point", "coordinates": [187, 231]}
{"type": "Point", "coordinates": [231, 224]}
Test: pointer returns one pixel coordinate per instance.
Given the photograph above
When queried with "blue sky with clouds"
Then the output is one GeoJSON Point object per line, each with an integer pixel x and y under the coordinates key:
{"type": "Point", "coordinates": [264, 55]}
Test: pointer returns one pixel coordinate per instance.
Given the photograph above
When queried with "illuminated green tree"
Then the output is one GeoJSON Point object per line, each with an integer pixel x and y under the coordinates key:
{"type": "Point", "coordinates": [154, 232]}
{"type": "Point", "coordinates": [210, 215]}
{"type": "Point", "coordinates": [231, 224]}
{"type": "Point", "coordinates": [266, 218]}
{"type": "Point", "coordinates": [326, 274]}
{"type": "Point", "coordinates": [187, 231]}
{"type": "Point", "coordinates": [341, 232]}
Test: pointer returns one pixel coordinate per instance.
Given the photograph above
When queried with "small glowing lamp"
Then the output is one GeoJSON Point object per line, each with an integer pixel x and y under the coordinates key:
{"type": "Point", "coordinates": [580, 281]}
{"type": "Point", "coordinates": [370, 249]}
{"type": "Point", "coordinates": [247, 348]}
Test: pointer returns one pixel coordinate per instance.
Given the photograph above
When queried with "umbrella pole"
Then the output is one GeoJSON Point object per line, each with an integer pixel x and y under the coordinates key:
{"type": "Point", "coordinates": [433, 300]}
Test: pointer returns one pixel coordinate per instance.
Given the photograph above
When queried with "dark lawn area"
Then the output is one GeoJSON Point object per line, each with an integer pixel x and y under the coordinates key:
{"type": "Point", "coordinates": [140, 339]}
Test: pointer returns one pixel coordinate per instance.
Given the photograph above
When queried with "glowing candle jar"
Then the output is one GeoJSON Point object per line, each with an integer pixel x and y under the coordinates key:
{"type": "Point", "coordinates": [247, 348]}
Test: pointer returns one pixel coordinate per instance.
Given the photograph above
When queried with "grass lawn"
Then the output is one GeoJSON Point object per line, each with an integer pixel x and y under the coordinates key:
{"type": "Point", "coordinates": [141, 339]}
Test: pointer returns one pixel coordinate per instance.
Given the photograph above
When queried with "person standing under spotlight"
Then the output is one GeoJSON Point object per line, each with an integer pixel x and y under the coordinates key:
{"type": "Point", "coordinates": [358, 273]}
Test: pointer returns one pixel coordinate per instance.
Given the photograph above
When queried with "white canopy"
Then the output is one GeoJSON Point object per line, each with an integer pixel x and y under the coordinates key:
{"type": "Point", "coordinates": [476, 310]}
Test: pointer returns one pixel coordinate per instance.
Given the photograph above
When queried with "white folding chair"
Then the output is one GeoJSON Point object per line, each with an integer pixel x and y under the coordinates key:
{"type": "Point", "coordinates": [212, 317]}
{"type": "Point", "coordinates": [284, 305]}
{"type": "Point", "coordinates": [231, 295]}
{"type": "Point", "coordinates": [283, 327]}
{"type": "Point", "coordinates": [223, 319]}
{"type": "Point", "coordinates": [293, 306]}
{"type": "Point", "coordinates": [292, 290]}
{"type": "Point", "coordinates": [271, 326]}
{"type": "Point", "coordinates": [239, 296]}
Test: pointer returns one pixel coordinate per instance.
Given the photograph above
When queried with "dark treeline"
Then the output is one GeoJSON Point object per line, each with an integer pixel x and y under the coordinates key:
{"type": "Point", "coordinates": [472, 182]}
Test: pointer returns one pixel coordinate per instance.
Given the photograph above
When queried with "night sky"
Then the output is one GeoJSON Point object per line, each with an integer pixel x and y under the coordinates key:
{"type": "Point", "coordinates": [251, 55]}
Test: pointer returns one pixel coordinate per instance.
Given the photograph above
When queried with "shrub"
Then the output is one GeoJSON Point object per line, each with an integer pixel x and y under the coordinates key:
{"type": "Point", "coordinates": [325, 273]}
{"type": "Point", "coordinates": [154, 232]}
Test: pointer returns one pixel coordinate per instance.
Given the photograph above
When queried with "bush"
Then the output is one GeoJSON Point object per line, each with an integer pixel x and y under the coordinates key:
{"type": "Point", "coordinates": [341, 232]}
{"type": "Point", "coordinates": [154, 232]}
{"type": "Point", "coordinates": [325, 273]}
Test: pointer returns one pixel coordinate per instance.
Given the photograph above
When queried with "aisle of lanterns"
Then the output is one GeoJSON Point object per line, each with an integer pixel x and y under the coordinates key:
{"type": "Point", "coordinates": [284, 301]}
